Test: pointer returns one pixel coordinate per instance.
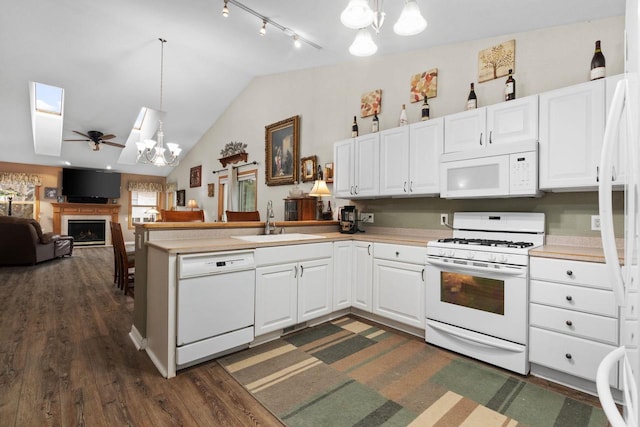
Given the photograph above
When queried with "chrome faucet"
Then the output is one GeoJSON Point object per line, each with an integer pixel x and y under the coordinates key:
{"type": "Point", "coordinates": [269, 225]}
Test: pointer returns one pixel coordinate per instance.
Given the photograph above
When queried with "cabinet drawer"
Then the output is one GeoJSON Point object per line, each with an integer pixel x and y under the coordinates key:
{"type": "Point", "coordinates": [575, 356]}
{"type": "Point", "coordinates": [401, 253]}
{"type": "Point", "coordinates": [595, 301]}
{"type": "Point", "coordinates": [589, 326]}
{"type": "Point", "coordinates": [590, 274]}
{"type": "Point", "coordinates": [293, 253]}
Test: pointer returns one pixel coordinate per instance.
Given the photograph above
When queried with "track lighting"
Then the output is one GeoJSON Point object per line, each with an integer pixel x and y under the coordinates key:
{"type": "Point", "coordinates": [263, 30]}
{"type": "Point", "coordinates": [225, 9]}
{"type": "Point", "coordinates": [296, 41]}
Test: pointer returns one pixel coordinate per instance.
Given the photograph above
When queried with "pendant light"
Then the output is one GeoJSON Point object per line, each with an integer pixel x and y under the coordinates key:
{"type": "Point", "coordinates": [357, 14]}
{"type": "Point", "coordinates": [411, 21]}
{"type": "Point", "coordinates": [363, 45]}
{"type": "Point", "coordinates": [154, 152]}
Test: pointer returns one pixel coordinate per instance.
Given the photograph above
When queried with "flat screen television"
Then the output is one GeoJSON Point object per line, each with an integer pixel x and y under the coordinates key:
{"type": "Point", "coordinates": [89, 185]}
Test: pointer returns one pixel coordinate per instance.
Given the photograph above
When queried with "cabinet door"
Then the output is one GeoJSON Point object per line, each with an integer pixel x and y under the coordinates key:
{"type": "Point", "coordinates": [276, 297]}
{"type": "Point", "coordinates": [425, 147]}
{"type": "Point", "coordinates": [513, 121]}
{"type": "Point", "coordinates": [362, 275]}
{"type": "Point", "coordinates": [342, 274]}
{"type": "Point", "coordinates": [367, 160]}
{"type": "Point", "coordinates": [394, 161]}
{"type": "Point", "coordinates": [571, 131]}
{"type": "Point", "coordinates": [344, 164]}
{"type": "Point", "coordinates": [465, 131]}
{"type": "Point", "coordinates": [315, 289]}
{"type": "Point", "coordinates": [399, 292]}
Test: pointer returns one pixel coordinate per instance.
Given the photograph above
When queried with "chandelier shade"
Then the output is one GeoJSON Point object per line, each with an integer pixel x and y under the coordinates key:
{"type": "Point", "coordinates": [363, 45]}
{"type": "Point", "coordinates": [411, 21]}
{"type": "Point", "coordinates": [357, 14]}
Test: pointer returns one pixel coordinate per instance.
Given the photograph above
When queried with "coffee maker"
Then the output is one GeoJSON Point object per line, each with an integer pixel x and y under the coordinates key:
{"type": "Point", "coordinates": [348, 219]}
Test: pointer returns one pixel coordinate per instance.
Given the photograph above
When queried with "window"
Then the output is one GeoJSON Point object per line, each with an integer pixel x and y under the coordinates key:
{"type": "Point", "coordinates": [48, 99]}
{"type": "Point", "coordinates": [139, 204]}
{"type": "Point", "coordinates": [23, 200]}
{"type": "Point", "coordinates": [246, 190]}
{"type": "Point", "coordinates": [140, 119]}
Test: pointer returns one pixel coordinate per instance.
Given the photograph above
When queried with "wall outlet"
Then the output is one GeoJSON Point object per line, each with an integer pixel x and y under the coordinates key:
{"type": "Point", "coordinates": [444, 219]}
{"type": "Point", "coordinates": [366, 218]}
{"type": "Point", "coordinates": [595, 222]}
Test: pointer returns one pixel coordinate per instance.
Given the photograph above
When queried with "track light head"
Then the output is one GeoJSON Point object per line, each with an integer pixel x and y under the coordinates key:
{"type": "Point", "coordinates": [225, 9]}
{"type": "Point", "coordinates": [296, 41]}
{"type": "Point", "coordinates": [263, 30]}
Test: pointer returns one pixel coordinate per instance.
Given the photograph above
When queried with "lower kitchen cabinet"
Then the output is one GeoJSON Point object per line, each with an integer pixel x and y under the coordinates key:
{"type": "Point", "coordinates": [362, 275]}
{"type": "Point", "coordinates": [573, 317]}
{"type": "Point", "coordinates": [294, 284]}
{"type": "Point", "coordinates": [342, 274]}
{"type": "Point", "coordinates": [398, 283]}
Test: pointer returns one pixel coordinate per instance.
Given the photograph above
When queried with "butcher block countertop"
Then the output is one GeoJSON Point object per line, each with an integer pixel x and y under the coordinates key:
{"type": "Point", "coordinates": [573, 248]}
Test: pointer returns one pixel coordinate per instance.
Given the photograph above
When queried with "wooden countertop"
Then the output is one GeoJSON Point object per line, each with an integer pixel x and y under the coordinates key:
{"type": "Point", "coordinates": [570, 252]}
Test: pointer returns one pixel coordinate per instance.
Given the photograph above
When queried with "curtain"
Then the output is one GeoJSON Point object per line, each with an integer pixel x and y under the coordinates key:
{"type": "Point", "coordinates": [15, 178]}
{"type": "Point", "coordinates": [171, 187]}
{"type": "Point", "coordinates": [145, 186]}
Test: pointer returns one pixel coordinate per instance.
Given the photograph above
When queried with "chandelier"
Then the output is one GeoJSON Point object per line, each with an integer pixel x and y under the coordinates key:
{"type": "Point", "coordinates": [154, 152]}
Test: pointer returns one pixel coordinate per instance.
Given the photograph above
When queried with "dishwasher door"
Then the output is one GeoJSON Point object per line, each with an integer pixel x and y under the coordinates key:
{"type": "Point", "coordinates": [217, 302]}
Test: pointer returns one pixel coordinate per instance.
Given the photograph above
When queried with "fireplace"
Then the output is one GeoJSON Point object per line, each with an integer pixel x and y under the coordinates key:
{"type": "Point", "coordinates": [87, 232]}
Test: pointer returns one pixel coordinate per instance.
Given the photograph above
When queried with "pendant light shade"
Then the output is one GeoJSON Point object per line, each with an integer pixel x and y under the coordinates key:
{"type": "Point", "coordinates": [357, 14]}
{"type": "Point", "coordinates": [411, 21]}
{"type": "Point", "coordinates": [363, 45]}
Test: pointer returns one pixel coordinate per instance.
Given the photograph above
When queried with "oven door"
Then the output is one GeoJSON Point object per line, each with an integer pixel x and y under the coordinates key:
{"type": "Point", "coordinates": [483, 297]}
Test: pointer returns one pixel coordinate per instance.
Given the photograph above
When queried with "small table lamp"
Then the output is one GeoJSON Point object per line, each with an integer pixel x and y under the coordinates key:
{"type": "Point", "coordinates": [319, 189]}
{"type": "Point", "coordinates": [192, 204]}
{"type": "Point", "coordinates": [153, 212]}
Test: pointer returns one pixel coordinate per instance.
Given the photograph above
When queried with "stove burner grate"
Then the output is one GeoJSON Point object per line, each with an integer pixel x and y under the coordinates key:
{"type": "Point", "coordinates": [486, 242]}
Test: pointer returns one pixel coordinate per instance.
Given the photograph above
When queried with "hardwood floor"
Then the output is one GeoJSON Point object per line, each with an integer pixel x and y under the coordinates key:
{"type": "Point", "coordinates": [66, 358]}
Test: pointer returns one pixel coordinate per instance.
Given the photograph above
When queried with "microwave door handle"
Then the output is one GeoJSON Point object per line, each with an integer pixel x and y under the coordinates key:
{"type": "Point", "coordinates": [450, 266]}
{"type": "Point", "coordinates": [605, 190]}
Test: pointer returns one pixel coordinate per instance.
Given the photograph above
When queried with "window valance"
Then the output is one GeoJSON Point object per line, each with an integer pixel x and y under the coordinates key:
{"type": "Point", "coordinates": [145, 186]}
{"type": "Point", "coordinates": [172, 187]}
{"type": "Point", "coordinates": [16, 178]}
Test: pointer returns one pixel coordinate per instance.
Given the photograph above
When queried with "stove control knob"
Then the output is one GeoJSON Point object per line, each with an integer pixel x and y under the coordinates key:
{"type": "Point", "coordinates": [492, 257]}
{"type": "Point", "coordinates": [503, 258]}
{"type": "Point", "coordinates": [441, 252]}
{"type": "Point", "coordinates": [471, 255]}
{"type": "Point", "coordinates": [449, 253]}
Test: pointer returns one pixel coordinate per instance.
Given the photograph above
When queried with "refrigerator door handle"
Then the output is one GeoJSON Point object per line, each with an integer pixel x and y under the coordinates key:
{"type": "Point", "coordinates": [604, 193]}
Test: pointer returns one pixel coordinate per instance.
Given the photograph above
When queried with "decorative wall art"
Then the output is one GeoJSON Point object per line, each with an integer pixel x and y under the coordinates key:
{"type": "Point", "coordinates": [50, 193]}
{"type": "Point", "coordinates": [282, 151]}
{"type": "Point", "coordinates": [211, 190]}
{"type": "Point", "coordinates": [180, 197]}
{"type": "Point", "coordinates": [328, 172]}
{"type": "Point", "coordinates": [496, 61]}
{"type": "Point", "coordinates": [309, 168]}
{"type": "Point", "coordinates": [425, 83]}
{"type": "Point", "coordinates": [195, 177]}
{"type": "Point", "coordinates": [371, 103]}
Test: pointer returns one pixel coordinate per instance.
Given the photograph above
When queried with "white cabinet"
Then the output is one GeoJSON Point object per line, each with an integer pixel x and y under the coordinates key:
{"type": "Point", "coordinates": [573, 317]}
{"type": "Point", "coordinates": [409, 159]}
{"type": "Point", "coordinates": [293, 284]}
{"type": "Point", "coordinates": [342, 274]}
{"type": "Point", "coordinates": [503, 123]}
{"type": "Point", "coordinates": [398, 283]}
{"type": "Point", "coordinates": [362, 275]}
{"type": "Point", "coordinates": [357, 162]}
{"type": "Point", "coordinates": [571, 131]}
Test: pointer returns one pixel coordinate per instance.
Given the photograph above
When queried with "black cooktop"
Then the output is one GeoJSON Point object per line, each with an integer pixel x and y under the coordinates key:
{"type": "Point", "coordinates": [487, 242]}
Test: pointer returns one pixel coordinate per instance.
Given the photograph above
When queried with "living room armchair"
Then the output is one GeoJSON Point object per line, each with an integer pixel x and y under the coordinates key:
{"type": "Point", "coordinates": [24, 243]}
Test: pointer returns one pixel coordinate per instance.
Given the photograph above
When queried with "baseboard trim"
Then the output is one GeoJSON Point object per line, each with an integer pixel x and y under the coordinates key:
{"type": "Point", "coordinates": [136, 337]}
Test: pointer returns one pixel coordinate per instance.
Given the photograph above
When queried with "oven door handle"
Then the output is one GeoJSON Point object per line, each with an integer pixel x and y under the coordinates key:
{"type": "Point", "coordinates": [500, 271]}
{"type": "Point", "coordinates": [493, 344]}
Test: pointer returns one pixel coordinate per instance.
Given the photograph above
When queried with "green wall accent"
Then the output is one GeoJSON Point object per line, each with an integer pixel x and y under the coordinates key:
{"type": "Point", "coordinates": [567, 214]}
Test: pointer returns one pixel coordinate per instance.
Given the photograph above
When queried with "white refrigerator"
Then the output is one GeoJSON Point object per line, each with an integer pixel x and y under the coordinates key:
{"type": "Point", "coordinates": [622, 133]}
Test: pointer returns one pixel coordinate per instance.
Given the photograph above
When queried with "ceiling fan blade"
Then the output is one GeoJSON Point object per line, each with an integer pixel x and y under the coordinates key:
{"type": "Point", "coordinates": [107, 136]}
{"type": "Point", "coordinates": [77, 140]}
{"type": "Point", "coordinates": [80, 133]}
{"type": "Point", "coordinates": [113, 144]}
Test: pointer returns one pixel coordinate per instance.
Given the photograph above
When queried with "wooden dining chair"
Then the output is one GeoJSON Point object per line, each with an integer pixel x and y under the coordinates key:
{"type": "Point", "coordinates": [125, 263]}
{"type": "Point", "coordinates": [242, 216]}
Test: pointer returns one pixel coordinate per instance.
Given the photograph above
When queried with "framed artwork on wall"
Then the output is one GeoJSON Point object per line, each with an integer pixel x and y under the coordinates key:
{"type": "Point", "coordinates": [424, 84]}
{"type": "Point", "coordinates": [496, 61]}
{"type": "Point", "coordinates": [211, 190]}
{"type": "Point", "coordinates": [328, 172]}
{"type": "Point", "coordinates": [309, 168]}
{"type": "Point", "coordinates": [371, 103]}
{"type": "Point", "coordinates": [50, 193]}
{"type": "Point", "coordinates": [180, 196]}
{"type": "Point", "coordinates": [195, 177]}
{"type": "Point", "coordinates": [282, 151]}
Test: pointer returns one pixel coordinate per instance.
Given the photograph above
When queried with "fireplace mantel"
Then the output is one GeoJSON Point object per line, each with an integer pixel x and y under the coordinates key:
{"type": "Point", "coordinates": [80, 209]}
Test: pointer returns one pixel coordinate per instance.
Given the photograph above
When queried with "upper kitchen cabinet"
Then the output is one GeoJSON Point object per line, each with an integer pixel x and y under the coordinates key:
{"type": "Point", "coordinates": [503, 123]}
{"type": "Point", "coordinates": [409, 159]}
{"type": "Point", "coordinates": [357, 162]}
{"type": "Point", "coordinates": [571, 131]}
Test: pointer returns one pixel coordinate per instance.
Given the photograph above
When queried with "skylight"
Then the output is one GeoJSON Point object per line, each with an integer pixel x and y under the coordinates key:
{"type": "Point", "coordinates": [141, 115]}
{"type": "Point", "coordinates": [48, 98]}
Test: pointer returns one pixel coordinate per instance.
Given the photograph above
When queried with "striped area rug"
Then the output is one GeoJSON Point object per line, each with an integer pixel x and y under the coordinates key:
{"type": "Point", "coordinates": [350, 373]}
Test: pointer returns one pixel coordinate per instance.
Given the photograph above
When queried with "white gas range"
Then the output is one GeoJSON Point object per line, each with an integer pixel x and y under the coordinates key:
{"type": "Point", "coordinates": [478, 286]}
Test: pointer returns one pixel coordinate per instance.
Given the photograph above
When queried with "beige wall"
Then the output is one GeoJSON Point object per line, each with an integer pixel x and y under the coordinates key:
{"type": "Point", "coordinates": [52, 177]}
{"type": "Point", "coordinates": [327, 98]}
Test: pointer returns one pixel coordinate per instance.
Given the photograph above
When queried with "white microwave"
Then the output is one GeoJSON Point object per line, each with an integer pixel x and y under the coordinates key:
{"type": "Point", "coordinates": [507, 170]}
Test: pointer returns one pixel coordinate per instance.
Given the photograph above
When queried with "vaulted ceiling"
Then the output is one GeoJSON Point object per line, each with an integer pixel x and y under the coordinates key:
{"type": "Point", "coordinates": [106, 56]}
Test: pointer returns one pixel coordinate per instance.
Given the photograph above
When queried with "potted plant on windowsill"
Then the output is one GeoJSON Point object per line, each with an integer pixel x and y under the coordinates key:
{"type": "Point", "coordinates": [233, 152]}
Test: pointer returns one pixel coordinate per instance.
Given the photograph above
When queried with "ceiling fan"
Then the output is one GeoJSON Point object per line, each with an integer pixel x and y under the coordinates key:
{"type": "Point", "coordinates": [97, 138]}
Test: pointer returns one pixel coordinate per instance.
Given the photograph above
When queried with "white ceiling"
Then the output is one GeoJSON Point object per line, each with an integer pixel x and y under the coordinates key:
{"type": "Point", "coordinates": [106, 55]}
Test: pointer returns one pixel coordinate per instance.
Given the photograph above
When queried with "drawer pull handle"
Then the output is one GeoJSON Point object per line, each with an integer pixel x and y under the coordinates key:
{"type": "Point", "coordinates": [569, 273]}
{"type": "Point", "coordinates": [397, 253]}
{"type": "Point", "coordinates": [568, 356]}
{"type": "Point", "coordinates": [569, 298]}
{"type": "Point", "coordinates": [569, 323]}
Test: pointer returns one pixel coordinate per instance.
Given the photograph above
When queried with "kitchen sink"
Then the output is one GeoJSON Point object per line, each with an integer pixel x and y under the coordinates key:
{"type": "Point", "coordinates": [266, 238]}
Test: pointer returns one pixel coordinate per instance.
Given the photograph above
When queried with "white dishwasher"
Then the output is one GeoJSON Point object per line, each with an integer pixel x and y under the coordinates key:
{"type": "Point", "coordinates": [214, 304]}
